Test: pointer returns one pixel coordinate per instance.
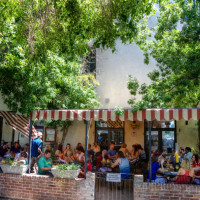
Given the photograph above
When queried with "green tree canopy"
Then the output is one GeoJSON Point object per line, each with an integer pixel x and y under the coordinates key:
{"type": "Point", "coordinates": [175, 45]}
{"type": "Point", "coordinates": [43, 44]}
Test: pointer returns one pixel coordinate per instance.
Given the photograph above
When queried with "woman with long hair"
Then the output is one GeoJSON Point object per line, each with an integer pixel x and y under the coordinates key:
{"type": "Point", "coordinates": [185, 173]}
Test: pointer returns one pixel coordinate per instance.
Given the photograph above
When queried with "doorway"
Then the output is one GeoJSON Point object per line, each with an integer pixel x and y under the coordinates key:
{"type": "Point", "coordinates": [163, 136]}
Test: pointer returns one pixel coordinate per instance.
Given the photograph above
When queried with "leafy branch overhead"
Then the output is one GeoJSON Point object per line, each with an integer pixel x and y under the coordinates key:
{"type": "Point", "coordinates": [43, 45]}
{"type": "Point", "coordinates": [174, 43]}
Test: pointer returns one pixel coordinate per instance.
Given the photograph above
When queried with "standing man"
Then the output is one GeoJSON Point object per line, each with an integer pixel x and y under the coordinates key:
{"type": "Point", "coordinates": [36, 150]}
{"type": "Point", "coordinates": [45, 164]}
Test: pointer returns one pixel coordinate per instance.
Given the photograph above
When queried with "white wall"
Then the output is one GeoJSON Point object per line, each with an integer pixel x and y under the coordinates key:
{"type": "Point", "coordinates": [113, 70]}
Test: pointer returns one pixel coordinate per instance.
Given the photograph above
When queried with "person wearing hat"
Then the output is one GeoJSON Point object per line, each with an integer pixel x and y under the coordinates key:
{"type": "Point", "coordinates": [36, 150]}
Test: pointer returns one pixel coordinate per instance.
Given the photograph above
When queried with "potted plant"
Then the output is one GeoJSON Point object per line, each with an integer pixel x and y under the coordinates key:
{"type": "Point", "coordinates": [13, 167]}
{"type": "Point", "coordinates": [70, 171]}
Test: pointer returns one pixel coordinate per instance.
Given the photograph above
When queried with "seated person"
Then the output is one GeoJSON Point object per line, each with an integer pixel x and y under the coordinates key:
{"type": "Point", "coordinates": [23, 158]}
{"type": "Point", "coordinates": [155, 168]}
{"type": "Point", "coordinates": [18, 155]}
{"type": "Point", "coordinates": [185, 173]}
{"type": "Point", "coordinates": [80, 156]}
{"type": "Point", "coordinates": [45, 164]}
{"type": "Point", "coordinates": [15, 149]}
{"type": "Point", "coordinates": [59, 155]}
{"type": "Point", "coordinates": [188, 154]}
{"type": "Point", "coordinates": [124, 149]}
{"type": "Point", "coordinates": [134, 154]}
{"type": "Point", "coordinates": [96, 148]}
{"type": "Point", "coordinates": [100, 158]}
{"type": "Point", "coordinates": [142, 153]}
{"type": "Point", "coordinates": [78, 145]}
{"type": "Point", "coordinates": [196, 167]}
{"type": "Point", "coordinates": [89, 169]}
{"type": "Point", "coordinates": [123, 164]}
{"type": "Point", "coordinates": [90, 151]}
{"type": "Point", "coordinates": [68, 154]}
{"type": "Point", "coordinates": [3, 150]}
{"type": "Point", "coordinates": [111, 152]}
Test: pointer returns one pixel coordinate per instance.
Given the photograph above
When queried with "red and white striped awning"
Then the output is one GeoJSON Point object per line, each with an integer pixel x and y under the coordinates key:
{"type": "Point", "coordinates": [18, 122]}
{"type": "Point", "coordinates": [148, 114]}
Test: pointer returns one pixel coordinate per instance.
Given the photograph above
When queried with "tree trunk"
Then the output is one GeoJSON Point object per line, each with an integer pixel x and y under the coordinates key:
{"type": "Point", "coordinates": [65, 131]}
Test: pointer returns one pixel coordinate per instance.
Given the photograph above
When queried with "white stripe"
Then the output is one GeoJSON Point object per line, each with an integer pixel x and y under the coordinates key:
{"type": "Point", "coordinates": [34, 115]}
{"type": "Point", "coordinates": [113, 115]}
{"type": "Point", "coordinates": [157, 114]}
{"type": "Point", "coordinates": [88, 115]}
{"type": "Point", "coordinates": [194, 114]}
{"type": "Point", "coordinates": [130, 115]}
{"type": "Point", "coordinates": [175, 114]}
{"type": "Point", "coordinates": [48, 114]}
{"type": "Point", "coordinates": [139, 115]}
{"type": "Point", "coordinates": [121, 117]}
{"type": "Point", "coordinates": [79, 115]}
{"type": "Point", "coordinates": [96, 115]}
{"type": "Point", "coordinates": [166, 114]}
{"type": "Point", "coordinates": [71, 115]}
{"type": "Point", "coordinates": [104, 115]}
{"type": "Point", "coordinates": [185, 114]}
{"type": "Point", "coordinates": [41, 115]}
{"type": "Point", "coordinates": [56, 115]}
{"type": "Point", "coordinates": [148, 115]}
{"type": "Point", "coordinates": [64, 115]}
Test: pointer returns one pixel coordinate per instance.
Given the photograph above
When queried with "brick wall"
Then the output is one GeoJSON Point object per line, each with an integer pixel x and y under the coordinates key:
{"type": "Point", "coordinates": [150, 191]}
{"type": "Point", "coordinates": [42, 187]}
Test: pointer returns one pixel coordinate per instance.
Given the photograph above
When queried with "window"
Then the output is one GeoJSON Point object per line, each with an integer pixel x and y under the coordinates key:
{"type": "Point", "coordinates": [109, 132]}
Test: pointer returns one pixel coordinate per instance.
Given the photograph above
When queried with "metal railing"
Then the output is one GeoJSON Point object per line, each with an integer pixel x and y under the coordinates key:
{"type": "Point", "coordinates": [110, 190]}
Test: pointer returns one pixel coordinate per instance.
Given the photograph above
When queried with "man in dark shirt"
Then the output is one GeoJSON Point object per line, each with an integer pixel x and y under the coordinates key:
{"type": "Point", "coordinates": [3, 150]}
{"type": "Point", "coordinates": [15, 149]}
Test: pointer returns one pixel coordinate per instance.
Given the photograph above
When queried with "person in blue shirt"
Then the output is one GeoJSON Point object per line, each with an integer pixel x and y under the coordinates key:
{"type": "Point", "coordinates": [111, 152]}
{"type": "Point", "coordinates": [36, 150]}
{"type": "Point", "coordinates": [155, 167]}
{"type": "Point", "coordinates": [188, 154]}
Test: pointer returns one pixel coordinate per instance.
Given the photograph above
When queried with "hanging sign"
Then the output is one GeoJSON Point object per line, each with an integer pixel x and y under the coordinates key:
{"type": "Point", "coordinates": [113, 177]}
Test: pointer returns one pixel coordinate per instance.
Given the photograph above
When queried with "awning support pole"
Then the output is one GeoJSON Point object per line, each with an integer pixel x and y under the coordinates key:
{"type": "Point", "coordinates": [30, 144]}
{"type": "Point", "coordinates": [150, 171]}
{"type": "Point", "coordinates": [86, 145]}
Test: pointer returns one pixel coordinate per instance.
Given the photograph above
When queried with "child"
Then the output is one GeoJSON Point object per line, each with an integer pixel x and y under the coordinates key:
{"type": "Point", "coordinates": [89, 169]}
{"type": "Point", "coordinates": [23, 158]}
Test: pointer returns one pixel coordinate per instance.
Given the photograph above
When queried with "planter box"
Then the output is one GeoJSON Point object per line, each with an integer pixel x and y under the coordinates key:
{"type": "Point", "coordinates": [71, 174]}
{"type": "Point", "coordinates": [18, 169]}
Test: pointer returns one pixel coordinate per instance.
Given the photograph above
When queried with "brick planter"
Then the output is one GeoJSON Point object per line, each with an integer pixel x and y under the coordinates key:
{"type": "Point", "coordinates": [37, 187]}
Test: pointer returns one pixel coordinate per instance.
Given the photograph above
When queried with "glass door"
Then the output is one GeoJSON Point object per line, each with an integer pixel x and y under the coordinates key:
{"type": "Point", "coordinates": [154, 140]}
{"type": "Point", "coordinates": [168, 141]}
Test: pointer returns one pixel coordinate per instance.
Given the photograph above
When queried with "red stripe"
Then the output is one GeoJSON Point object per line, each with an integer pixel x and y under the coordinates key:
{"type": "Point", "coordinates": [189, 114]}
{"type": "Point", "coordinates": [100, 114]}
{"type": "Point", "coordinates": [75, 114]}
{"type": "Point", "coordinates": [38, 114]}
{"type": "Point", "coordinates": [161, 114]}
{"type": "Point", "coordinates": [52, 114]}
{"type": "Point", "coordinates": [60, 115]}
{"type": "Point", "coordinates": [11, 120]}
{"type": "Point", "coordinates": [45, 114]}
{"type": "Point", "coordinates": [180, 114]}
{"type": "Point", "coordinates": [143, 114]}
{"type": "Point", "coordinates": [108, 114]}
{"type": "Point", "coordinates": [152, 115]}
{"type": "Point", "coordinates": [83, 114]}
{"type": "Point", "coordinates": [126, 115]}
{"type": "Point", "coordinates": [170, 114]}
{"type": "Point", "coordinates": [198, 114]}
{"type": "Point", "coordinates": [92, 114]}
{"type": "Point", "coordinates": [68, 114]}
{"type": "Point", "coordinates": [134, 116]}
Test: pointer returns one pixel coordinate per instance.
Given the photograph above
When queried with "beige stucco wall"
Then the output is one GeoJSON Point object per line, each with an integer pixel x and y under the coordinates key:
{"type": "Point", "coordinates": [187, 135]}
{"type": "Point", "coordinates": [129, 138]}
